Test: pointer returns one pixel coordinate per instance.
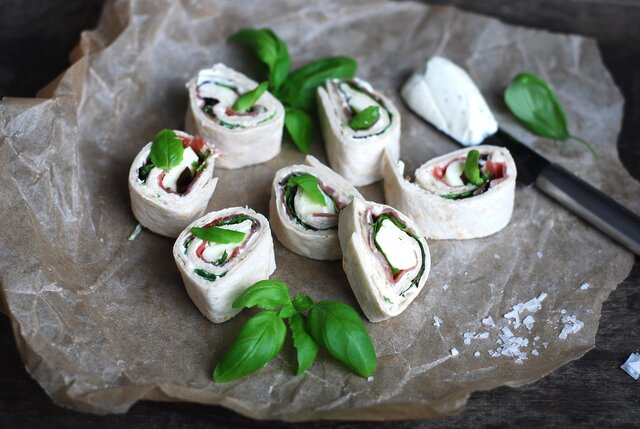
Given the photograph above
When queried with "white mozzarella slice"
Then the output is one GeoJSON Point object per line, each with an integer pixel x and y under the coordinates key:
{"type": "Point", "coordinates": [314, 214]}
{"type": "Point", "coordinates": [453, 175]}
{"type": "Point", "coordinates": [171, 177]}
{"type": "Point", "coordinates": [214, 251]}
{"type": "Point", "coordinates": [400, 249]}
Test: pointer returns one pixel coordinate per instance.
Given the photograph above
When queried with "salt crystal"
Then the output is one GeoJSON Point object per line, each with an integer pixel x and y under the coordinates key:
{"type": "Point", "coordinates": [495, 255]}
{"type": "Point", "coordinates": [533, 305]}
{"type": "Point", "coordinates": [483, 335]}
{"type": "Point", "coordinates": [370, 378]}
{"type": "Point", "coordinates": [488, 321]}
{"type": "Point", "coordinates": [535, 352]}
{"type": "Point", "coordinates": [454, 352]}
{"type": "Point", "coordinates": [476, 354]}
{"type": "Point", "coordinates": [571, 326]}
{"type": "Point", "coordinates": [528, 322]}
{"type": "Point", "coordinates": [584, 286]}
{"type": "Point", "coordinates": [536, 338]}
{"type": "Point", "coordinates": [445, 286]}
{"type": "Point", "coordinates": [545, 344]}
{"type": "Point", "coordinates": [519, 361]}
{"type": "Point", "coordinates": [563, 311]}
{"type": "Point", "coordinates": [539, 254]}
{"type": "Point", "coordinates": [437, 321]}
{"type": "Point", "coordinates": [632, 366]}
{"type": "Point", "coordinates": [468, 336]}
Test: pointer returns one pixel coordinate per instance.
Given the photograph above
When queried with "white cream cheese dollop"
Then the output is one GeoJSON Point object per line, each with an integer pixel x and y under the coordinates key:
{"type": "Point", "coordinates": [443, 94]}
{"type": "Point", "coordinates": [400, 249]}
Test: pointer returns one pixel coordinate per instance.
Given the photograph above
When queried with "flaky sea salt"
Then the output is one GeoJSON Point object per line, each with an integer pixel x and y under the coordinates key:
{"type": "Point", "coordinates": [468, 336]}
{"type": "Point", "coordinates": [584, 286]}
{"type": "Point", "coordinates": [528, 322]}
{"type": "Point", "coordinates": [571, 326]}
{"type": "Point", "coordinates": [454, 352]}
{"type": "Point", "coordinates": [488, 321]}
{"type": "Point", "coordinates": [632, 366]}
{"type": "Point", "coordinates": [533, 305]}
{"type": "Point", "coordinates": [539, 254]}
{"type": "Point", "coordinates": [535, 352]}
{"type": "Point", "coordinates": [437, 321]}
{"type": "Point", "coordinates": [476, 354]}
{"type": "Point", "coordinates": [445, 286]}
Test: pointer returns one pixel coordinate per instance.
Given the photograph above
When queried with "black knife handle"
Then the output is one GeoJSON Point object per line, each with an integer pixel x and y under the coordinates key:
{"type": "Point", "coordinates": [592, 205]}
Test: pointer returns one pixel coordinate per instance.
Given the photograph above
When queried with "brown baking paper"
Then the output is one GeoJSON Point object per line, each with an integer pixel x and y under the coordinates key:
{"type": "Point", "coordinates": [102, 322]}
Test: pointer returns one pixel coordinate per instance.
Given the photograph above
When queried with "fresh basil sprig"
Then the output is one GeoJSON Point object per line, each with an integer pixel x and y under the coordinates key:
{"type": "Point", "coordinates": [310, 186]}
{"type": "Point", "coordinates": [218, 235]}
{"type": "Point", "coordinates": [270, 49]}
{"type": "Point", "coordinates": [166, 150]}
{"type": "Point", "coordinates": [295, 90]}
{"type": "Point", "coordinates": [249, 98]}
{"type": "Point", "coordinates": [299, 90]}
{"type": "Point", "coordinates": [532, 101]}
{"type": "Point", "coordinates": [334, 325]}
{"type": "Point", "coordinates": [365, 119]}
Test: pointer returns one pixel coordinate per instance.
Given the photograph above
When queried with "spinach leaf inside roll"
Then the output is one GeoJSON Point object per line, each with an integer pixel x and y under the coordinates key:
{"type": "Point", "coordinates": [385, 258]}
{"type": "Point", "coordinates": [358, 123]}
{"type": "Point", "coordinates": [304, 208]}
{"type": "Point", "coordinates": [246, 136]}
{"type": "Point", "coordinates": [468, 193]}
{"type": "Point", "coordinates": [220, 255]}
{"type": "Point", "coordinates": [167, 198]}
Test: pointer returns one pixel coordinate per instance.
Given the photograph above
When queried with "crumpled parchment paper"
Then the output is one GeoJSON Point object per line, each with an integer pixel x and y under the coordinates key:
{"type": "Point", "coordinates": [102, 322]}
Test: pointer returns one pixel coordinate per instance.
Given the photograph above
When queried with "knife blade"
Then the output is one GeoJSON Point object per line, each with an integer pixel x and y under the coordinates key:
{"type": "Point", "coordinates": [589, 203]}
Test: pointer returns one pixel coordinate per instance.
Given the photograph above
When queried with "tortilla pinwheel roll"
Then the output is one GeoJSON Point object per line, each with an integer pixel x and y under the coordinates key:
{"type": "Point", "coordinates": [166, 198]}
{"type": "Point", "coordinates": [358, 124]}
{"type": "Point", "coordinates": [465, 194]}
{"type": "Point", "coordinates": [386, 260]}
{"type": "Point", "coordinates": [222, 254]}
{"type": "Point", "coordinates": [304, 208]}
{"type": "Point", "coordinates": [245, 136]}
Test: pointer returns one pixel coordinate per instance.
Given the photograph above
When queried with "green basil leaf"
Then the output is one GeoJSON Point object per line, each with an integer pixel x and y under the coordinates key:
{"type": "Point", "coordinates": [306, 347]}
{"type": "Point", "coordinates": [339, 329]}
{"type": "Point", "coordinates": [235, 220]}
{"type": "Point", "coordinates": [206, 274]}
{"type": "Point", "coordinates": [218, 235]}
{"type": "Point", "coordinates": [472, 169]}
{"type": "Point", "coordinates": [299, 90]}
{"type": "Point", "coordinates": [365, 119]}
{"type": "Point", "coordinates": [267, 294]}
{"type": "Point", "coordinates": [259, 340]}
{"type": "Point", "coordinates": [270, 49]}
{"type": "Point", "coordinates": [287, 311]}
{"type": "Point", "coordinates": [248, 99]}
{"type": "Point", "coordinates": [300, 127]}
{"type": "Point", "coordinates": [310, 186]}
{"type": "Point", "coordinates": [166, 150]}
{"type": "Point", "coordinates": [302, 302]}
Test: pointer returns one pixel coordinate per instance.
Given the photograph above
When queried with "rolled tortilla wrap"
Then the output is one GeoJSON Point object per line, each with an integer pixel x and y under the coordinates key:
{"type": "Point", "coordinates": [386, 259]}
{"type": "Point", "coordinates": [301, 224]}
{"type": "Point", "coordinates": [215, 273]}
{"type": "Point", "coordinates": [356, 155]}
{"type": "Point", "coordinates": [248, 138]}
{"type": "Point", "coordinates": [167, 201]}
{"type": "Point", "coordinates": [443, 205]}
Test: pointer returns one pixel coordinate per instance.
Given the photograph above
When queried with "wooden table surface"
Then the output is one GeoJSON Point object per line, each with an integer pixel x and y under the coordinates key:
{"type": "Point", "coordinates": [35, 39]}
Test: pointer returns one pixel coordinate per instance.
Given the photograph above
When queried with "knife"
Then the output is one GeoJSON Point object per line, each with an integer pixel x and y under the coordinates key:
{"type": "Point", "coordinates": [589, 203]}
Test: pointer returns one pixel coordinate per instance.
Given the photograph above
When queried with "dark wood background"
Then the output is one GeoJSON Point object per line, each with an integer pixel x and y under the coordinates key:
{"type": "Point", "coordinates": [35, 39]}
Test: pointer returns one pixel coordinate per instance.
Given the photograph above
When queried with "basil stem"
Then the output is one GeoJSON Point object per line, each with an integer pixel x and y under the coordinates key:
{"type": "Point", "coordinates": [365, 119]}
{"type": "Point", "coordinates": [248, 99]}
